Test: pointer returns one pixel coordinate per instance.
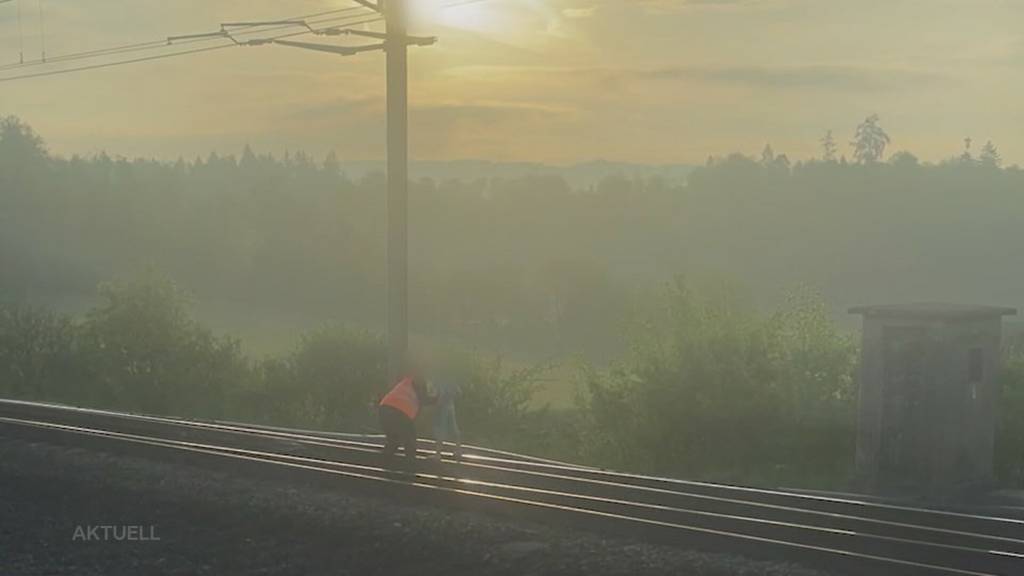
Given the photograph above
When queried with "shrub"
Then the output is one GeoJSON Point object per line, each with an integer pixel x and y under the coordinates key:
{"type": "Point", "coordinates": [328, 382]}
{"type": "Point", "coordinates": [713, 389]}
{"type": "Point", "coordinates": [141, 351]}
{"type": "Point", "coordinates": [37, 355]}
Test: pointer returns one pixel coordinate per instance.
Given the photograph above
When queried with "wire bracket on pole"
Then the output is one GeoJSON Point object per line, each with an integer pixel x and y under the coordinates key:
{"type": "Point", "coordinates": [226, 29]}
{"type": "Point", "coordinates": [420, 40]}
{"type": "Point", "coordinates": [409, 40]}
{"type": "Point", "coordinates": [330, 48]}
{"type": "Point", "coordinates": [346, 31]}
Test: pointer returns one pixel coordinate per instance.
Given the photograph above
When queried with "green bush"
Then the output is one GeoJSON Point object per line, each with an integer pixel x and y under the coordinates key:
{"type": "Point", "coordinates": [328, 382]}
{"type": "Point", "coordinates": [37, 354]}
{"type": "Point", "coordinates": [141, 351]}
{"type": "Point", "coordinates": [712, 389]}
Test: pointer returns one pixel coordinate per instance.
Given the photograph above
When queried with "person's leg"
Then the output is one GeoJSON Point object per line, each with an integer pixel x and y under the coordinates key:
{"type": "Point", "coordinates": [440, 432]}
{"type": "Point", "coordinates": [409, 442]}
{"type": "Point", "coordinates": [391, 428]}
{"type": "Point", "coordinates": [442, 426]}
{"type": "Point", "coordinates": [410, 450]}
{"type": "Point", "coordinates": [456, 435]}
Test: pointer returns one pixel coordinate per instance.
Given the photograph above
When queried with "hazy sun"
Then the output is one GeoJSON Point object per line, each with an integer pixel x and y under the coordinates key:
{"type": "Point", "coordinates": [467, 15]}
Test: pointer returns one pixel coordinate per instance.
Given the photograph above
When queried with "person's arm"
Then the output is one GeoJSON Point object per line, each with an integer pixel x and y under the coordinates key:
{"type": "Point", "coordinates": [426, 399]}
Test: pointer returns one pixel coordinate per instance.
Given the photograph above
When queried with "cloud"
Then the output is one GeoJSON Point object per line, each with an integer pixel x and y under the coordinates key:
{"type": "Point", "coordinates": [579, 13]}
{"type": "Point", "coordinates": [674, 6]}
{"type": "Point", "coordinates": [345, 105]}
{"type": "Point", "coordinates": [810, 76]}
{"type": "Point", "coordinates": [773, 77]}
{"type": "Point", "coordinates": [485, 111]}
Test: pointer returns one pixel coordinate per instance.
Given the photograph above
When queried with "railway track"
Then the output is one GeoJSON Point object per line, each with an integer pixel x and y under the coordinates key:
{"type": "Point", "coordinates": [845, 534]}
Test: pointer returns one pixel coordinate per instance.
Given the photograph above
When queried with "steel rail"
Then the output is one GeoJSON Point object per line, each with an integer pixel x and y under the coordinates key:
{"type": "Point", "coordinates": [938, 521]}
{"type": "Point", "coordinates": [580, 504]}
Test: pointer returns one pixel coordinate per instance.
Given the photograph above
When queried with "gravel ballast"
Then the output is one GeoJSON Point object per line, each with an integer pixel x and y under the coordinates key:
{"type": "Point", "coordinates": [178, 518]}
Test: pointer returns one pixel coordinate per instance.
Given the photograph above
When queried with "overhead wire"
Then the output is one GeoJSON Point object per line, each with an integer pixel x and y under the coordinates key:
{"type": "Point", "coordinates": [170, 54]}
{"type": "Point", "coordinates": [86, 54]}
{"type": "Point", "coordinates": [254, 29]}
{"type": "Point", "coordinates": [139, 46]}
{"type": "Point", "coordinates": [143, 46]}
{"type": "Point", "coordinates": [117, 63]}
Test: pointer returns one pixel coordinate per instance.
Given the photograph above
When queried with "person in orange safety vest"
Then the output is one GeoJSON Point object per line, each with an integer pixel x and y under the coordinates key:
{"type": "Point", "coordinates": [398, 411]}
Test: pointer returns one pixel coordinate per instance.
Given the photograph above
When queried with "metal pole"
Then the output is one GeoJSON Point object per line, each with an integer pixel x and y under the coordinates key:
{"type": "Point", "coordinates": [398, 186]}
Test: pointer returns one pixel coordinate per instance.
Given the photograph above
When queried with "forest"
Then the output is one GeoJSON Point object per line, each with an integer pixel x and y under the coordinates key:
{"type": "Point", "coordinates": [251, 287]}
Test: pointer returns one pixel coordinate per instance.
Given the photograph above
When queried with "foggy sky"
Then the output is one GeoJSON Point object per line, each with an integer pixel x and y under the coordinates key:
{"type": "Point", "coordinates": [543, 80]}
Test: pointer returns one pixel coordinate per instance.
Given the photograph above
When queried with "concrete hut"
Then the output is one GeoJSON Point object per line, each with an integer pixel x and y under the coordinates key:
{"type": "Point", "coordinates": [928, 393]}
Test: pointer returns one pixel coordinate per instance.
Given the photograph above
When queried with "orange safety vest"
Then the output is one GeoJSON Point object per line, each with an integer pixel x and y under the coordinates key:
{"type": "Point", "coordinates": [403, 397]}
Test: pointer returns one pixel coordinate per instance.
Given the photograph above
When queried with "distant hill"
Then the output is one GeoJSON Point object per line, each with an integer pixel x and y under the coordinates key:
{"type": "Point", "coordinates": [581, 175]}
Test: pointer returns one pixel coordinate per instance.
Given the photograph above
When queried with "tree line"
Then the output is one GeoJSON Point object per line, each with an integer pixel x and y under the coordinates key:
{"type": "Point", "coordinates": [527, 266]}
